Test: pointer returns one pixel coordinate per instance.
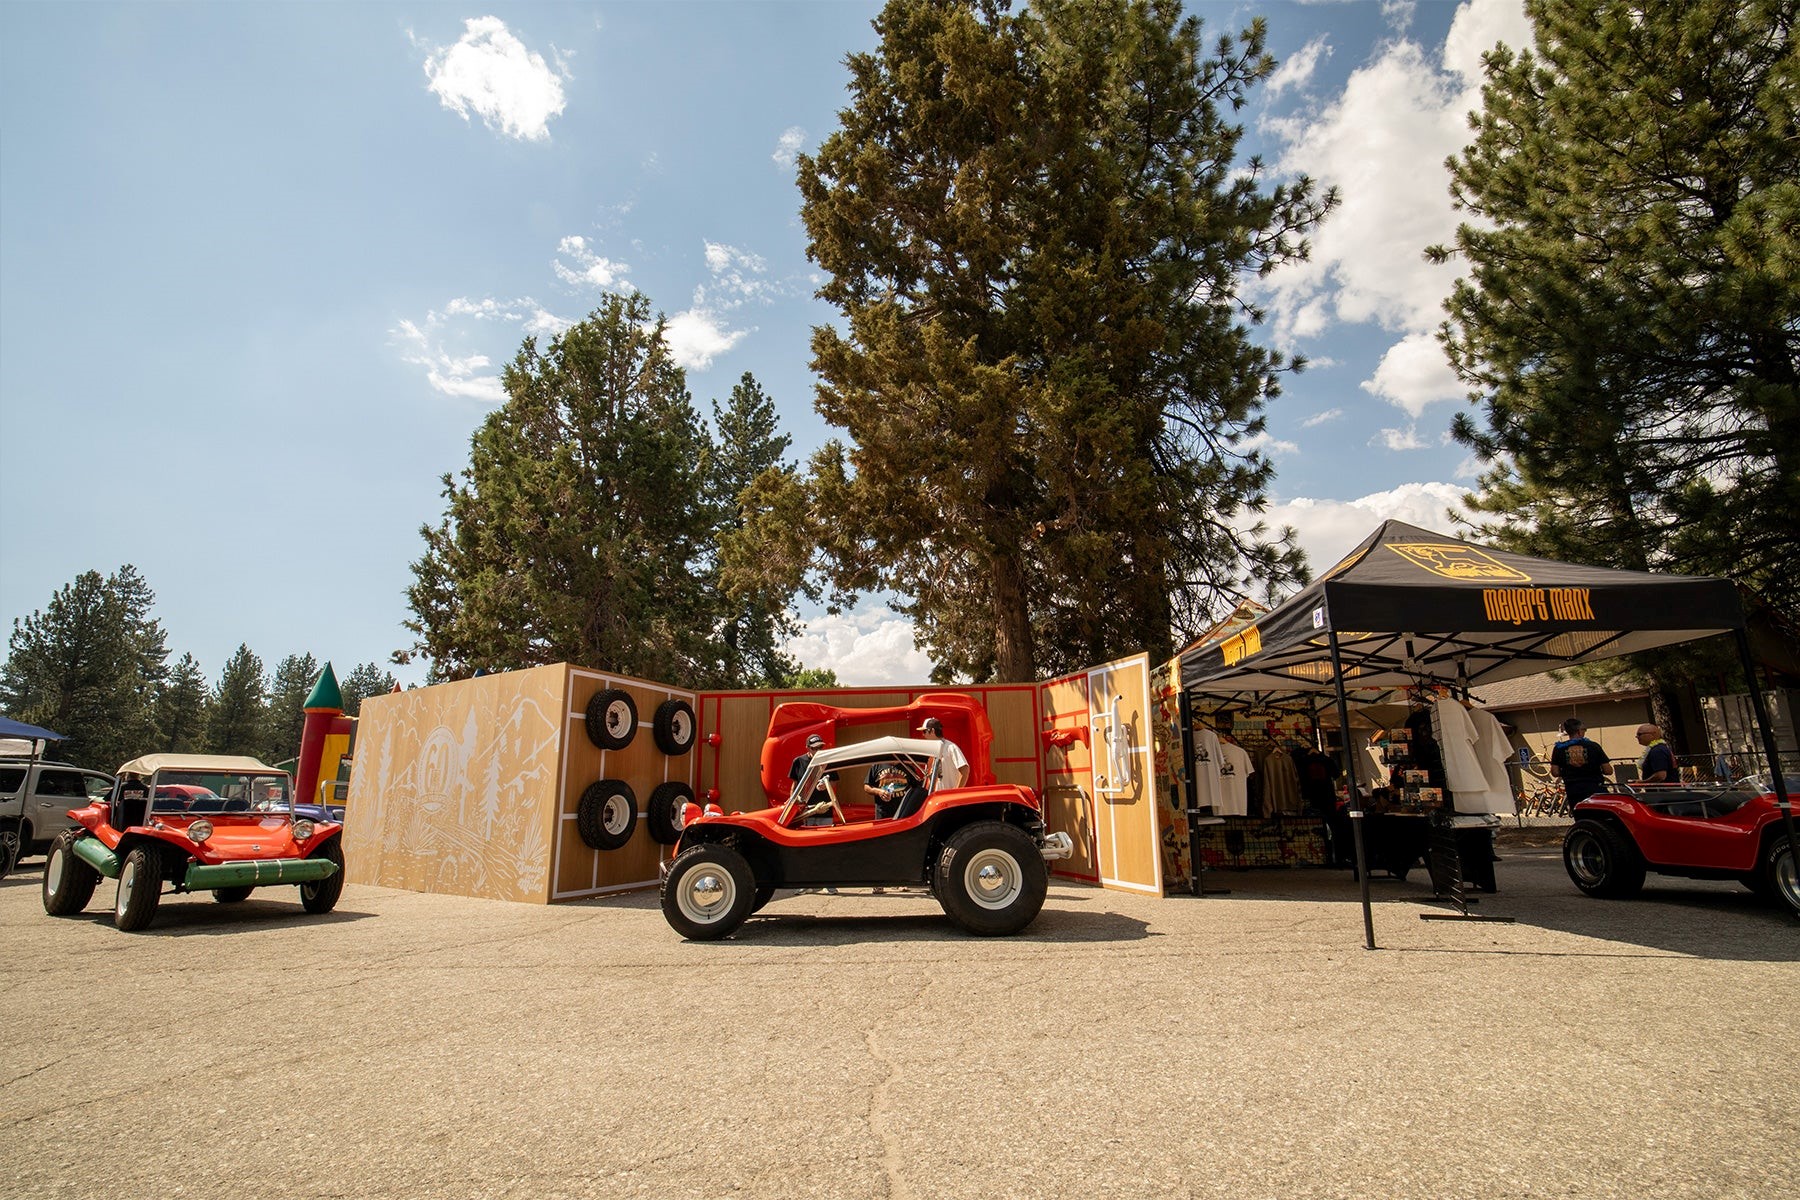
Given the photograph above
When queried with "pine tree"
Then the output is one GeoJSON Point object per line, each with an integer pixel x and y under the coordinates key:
{"type": "Point", "coordinates": [238, 719]}
{"type": "Point", "coordinates": [286, 709]}
{"type": "Point", "coordinates": [578, 531]}
{"type": "Point", "coordinates": [87, 666]}
{"type": "Point", "coordinates": [755, 619]}
{"type": "Point", "coordinates": [365, 681]}
{"type": "Point", "coordinates": [1631, 314]}
{"type": "Point", "coordinates": [181, 709]}
{"type": "Point", "coordinates": [1036, 227]}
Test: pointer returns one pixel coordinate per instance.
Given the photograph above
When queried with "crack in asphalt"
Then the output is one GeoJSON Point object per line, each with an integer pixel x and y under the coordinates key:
{"type": "Point", "coordinates": [879, 1111]}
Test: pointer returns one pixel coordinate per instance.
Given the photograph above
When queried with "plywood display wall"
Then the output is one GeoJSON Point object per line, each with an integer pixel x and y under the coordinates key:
{"type": "Point", "coordinates": [471, 788]}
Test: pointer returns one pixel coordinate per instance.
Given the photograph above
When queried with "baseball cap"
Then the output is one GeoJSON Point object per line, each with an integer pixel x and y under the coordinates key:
{"type": "Point", "coordinates": [930, 725]}
{"type": "Point", "coordinates": [815, 742]}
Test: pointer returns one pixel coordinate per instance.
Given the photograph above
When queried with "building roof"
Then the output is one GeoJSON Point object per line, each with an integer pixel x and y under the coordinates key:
{"type": "Point", "coordinates": [1542, 690]}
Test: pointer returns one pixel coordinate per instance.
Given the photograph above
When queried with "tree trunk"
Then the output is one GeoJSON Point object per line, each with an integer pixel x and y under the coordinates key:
{"type": "Point", "coordinates": [1015, 660]}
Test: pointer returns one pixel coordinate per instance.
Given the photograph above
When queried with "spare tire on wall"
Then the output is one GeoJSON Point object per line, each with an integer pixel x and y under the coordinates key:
{"type": "Point", "coordinates": [674, 727]}
{"type": "Point", "coordinates": [607, 814]}
{"type": "Point", "coordinates": [611, 719]}
{"type": "Point", "coordinates": [664, 812]}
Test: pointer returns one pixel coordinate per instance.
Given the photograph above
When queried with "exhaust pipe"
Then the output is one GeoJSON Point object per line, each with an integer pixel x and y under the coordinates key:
{"type": "Point", "coordinates": [1057, 845]}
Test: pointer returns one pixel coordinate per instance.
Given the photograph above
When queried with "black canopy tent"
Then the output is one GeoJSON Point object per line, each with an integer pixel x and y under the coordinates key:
{"type": "Point", "coordinates": [1409, 606]}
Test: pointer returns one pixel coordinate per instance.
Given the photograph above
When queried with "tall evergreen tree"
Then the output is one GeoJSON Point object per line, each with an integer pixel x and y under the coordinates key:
{"type": "Point", "coordinates": [181, 709]}
{"type": "Point", "coordinates": [286, 709]}
{"type": "Point", "coordinates": [365, 681]}
{"type": "Point", "coordinates": [1036, 226]}
{"type": "Point", "coordinates": [1631, 314]}
{"type": "Point", "coordinates": [755, 618]}
{"type": "Point", "coordinates": [238, 719]}
{"type": "Point", "coordinates": [87, 665]}
{"type": "Point", "coordinates": [578, 529]}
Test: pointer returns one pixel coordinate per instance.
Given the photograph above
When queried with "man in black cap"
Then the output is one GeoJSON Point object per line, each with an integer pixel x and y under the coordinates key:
{"type": "Point", "coordinates": [1579, 762]}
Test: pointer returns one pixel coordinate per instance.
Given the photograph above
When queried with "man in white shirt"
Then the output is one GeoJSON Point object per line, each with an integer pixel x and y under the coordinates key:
{"type": "Point", "coordinates": [952, 765]}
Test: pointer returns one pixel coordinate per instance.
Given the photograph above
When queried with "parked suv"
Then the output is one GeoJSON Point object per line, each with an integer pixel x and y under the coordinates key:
{"type": "Point", "coordinates": [39, 810]}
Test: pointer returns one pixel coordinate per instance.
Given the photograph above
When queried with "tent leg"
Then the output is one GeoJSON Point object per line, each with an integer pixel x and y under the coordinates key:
{"type": "Point", "coordinates": [1760, 711]}
{"type": "Point", "coordinates": [1356, 809]}
{"type": "Point", "coordinates": [1184, 709]}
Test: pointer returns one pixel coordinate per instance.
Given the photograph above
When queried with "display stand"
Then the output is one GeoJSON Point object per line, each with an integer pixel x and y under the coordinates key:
{"type": "Point", "coordinates": [1448, 882]}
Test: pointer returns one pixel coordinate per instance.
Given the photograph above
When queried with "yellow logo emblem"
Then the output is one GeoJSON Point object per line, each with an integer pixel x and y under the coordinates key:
{"type": "Point", "coordinates": [1452, 561]}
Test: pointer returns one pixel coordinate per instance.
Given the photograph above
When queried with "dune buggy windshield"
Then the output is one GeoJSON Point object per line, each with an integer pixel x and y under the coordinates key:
{"type": "Point", "coordinates": [223, 792]}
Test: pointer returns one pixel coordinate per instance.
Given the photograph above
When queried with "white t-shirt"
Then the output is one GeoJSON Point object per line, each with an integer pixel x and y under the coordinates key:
{"type": "Point", "coordinates": [950, 761]}
{"type": "Point", "coordinates": [1235, 769]}
{"type": "Point", "coordinates": [1207, 759]}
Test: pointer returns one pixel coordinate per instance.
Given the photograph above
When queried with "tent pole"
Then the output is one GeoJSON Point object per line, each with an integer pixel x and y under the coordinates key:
{"type": "Point", "coordinates": [1759, 710]}
{"type": "Point", "coordinates": [1356, 809]}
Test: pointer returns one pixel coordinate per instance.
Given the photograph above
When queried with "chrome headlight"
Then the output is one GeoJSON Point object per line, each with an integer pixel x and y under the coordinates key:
{"type": "Point", "coordinates": [303, 829]}
{"type": "Point", "coordinates": [198, 831]}
{"type": "Point", "coordinates": [686, 815]}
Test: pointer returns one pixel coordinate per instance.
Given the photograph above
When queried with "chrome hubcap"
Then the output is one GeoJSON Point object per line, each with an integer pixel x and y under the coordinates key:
{"type": "Point", "coordinates": [994, 878]}
{"type": "Point", "coordinates": [1787, 879]}
{"type": "Point", "coordinates": [1588, 859]}
{"type": "Point", "coordinates": [706, 894]}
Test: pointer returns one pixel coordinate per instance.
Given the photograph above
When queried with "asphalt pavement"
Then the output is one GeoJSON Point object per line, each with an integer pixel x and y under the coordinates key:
{"type": "Point", "coordinates": [857, 1045]}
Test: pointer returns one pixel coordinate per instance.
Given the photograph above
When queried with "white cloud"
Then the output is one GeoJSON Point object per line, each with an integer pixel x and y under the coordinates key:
{"type": "Point", "coordinates": [584, 268]}
{"type": "Point", "coordinates": [736, 272]}
{"type": "Point", "coordinates": [787, 146]}
{"type": "Point", "coordinates": [1413, 374]}
{"type": "Point", "coordinates": [1400, 439]}
{"type": "Point", "coordinates": [1383, 143]}
{"type": "Point", "coordinates": [696, 337]}
{"type": "Point", "coordinates": [1297, 71]}
{"type": "Point", "coordinates": [490, 72]}
{"type": "Point", "coordinates": [469, 375]}
{"type": "Point", "coordinates": [1318, 419]}
{"type": "Point", "coordinates": [1267, 442]}
{"type": "Point", "coordinates": [866, 647]}
{"type": "Point", "coordinates": [1469, 468]}
{"type": "Point", "coordinates": [1329, 529]}
{"type": "Point", "coordinates": [447, 373]}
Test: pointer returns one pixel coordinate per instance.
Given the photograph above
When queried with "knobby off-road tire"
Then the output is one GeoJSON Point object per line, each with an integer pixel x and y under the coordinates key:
{"type": "Point", "coordinates": [607, 814]}
{"type": "Point", "coordinates": [232, 895]}
{"type": "Point", "coordinates": [140, 889]}
{"type": "Point", "coordinates": [69, 883]}
{"type": "Point", "coordinates": [708, 892]}
{"type": "Point", "coordinates": [673, 727]}
{"type": "Point", "coordinates": [611, 719]}
{"type": "Point", "coordinates": [1603, 861]}
{"type": "Point", "coordinates": [991, 879]}
{"type": "Point", "coordinates": [1779, 875]}
{"type": "Point", "coordinates": [321, 895]}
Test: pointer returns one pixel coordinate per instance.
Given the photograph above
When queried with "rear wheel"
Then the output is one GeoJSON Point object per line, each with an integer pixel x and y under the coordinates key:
{"type": "Point", "coordinates": [1602, 860]}
{"type": "Point", "coordinates": [990, 879]}
{"type": "Point", "coordinates": [1780, 879]}
{"type": "Point", "coordinates": [321, 895]}
{"type": "Point", "coordinates": [140, 888]}
{"type": "Point", "coordinates": [232, 895]}
{"type": "Point", "coordinates": [69, 882]}
{"type": "Point", "coordinates": [709, 891]}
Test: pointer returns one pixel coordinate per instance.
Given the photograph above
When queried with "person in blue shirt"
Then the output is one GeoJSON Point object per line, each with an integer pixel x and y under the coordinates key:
{"type": "Point", "coordinates": [1658, 763]}
{"type": "Point", "coordinates": [1579, 762]}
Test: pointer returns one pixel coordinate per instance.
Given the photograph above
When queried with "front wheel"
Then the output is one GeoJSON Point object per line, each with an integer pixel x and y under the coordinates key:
{"type": "Point", "coordinates": [1602, 860]}
{"type": "Point", "coordinates": [321, 895]}
{"type": "Point", "coordinates": [232, 895]}
{"type": "Point", "coordinates": [709, 891]}
{"type": "Point", "coordinates": [140, 888]}
{"type": "Point", "coordinates": [69, 882]}
{"type": "Point", "coordinates": [991, 879]}
{"type": "Point", "coordinates": [1777, 872]}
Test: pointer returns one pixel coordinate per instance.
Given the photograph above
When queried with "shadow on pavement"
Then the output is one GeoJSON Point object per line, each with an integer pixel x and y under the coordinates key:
{"type": "Point", "coordinates": [189, 916]}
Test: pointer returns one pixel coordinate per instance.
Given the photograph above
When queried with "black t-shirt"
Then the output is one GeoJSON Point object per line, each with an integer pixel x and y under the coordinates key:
{"type": "Point", "coordinates": [1579, 759]}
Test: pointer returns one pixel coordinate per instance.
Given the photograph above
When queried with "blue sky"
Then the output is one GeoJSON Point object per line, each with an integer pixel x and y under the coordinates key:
{"type": "Point", "coordinates": [260, 265]}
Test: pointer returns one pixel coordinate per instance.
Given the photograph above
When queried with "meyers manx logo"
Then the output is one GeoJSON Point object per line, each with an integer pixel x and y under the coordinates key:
{"type": "Point", "coordinates": [1455, 561]}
